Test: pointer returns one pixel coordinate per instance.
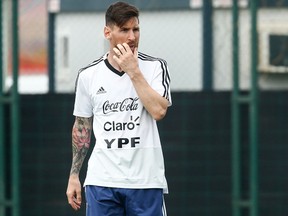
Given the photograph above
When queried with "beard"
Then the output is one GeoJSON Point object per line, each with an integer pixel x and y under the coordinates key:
{"type": "Point", "coordinates": [132, 45]}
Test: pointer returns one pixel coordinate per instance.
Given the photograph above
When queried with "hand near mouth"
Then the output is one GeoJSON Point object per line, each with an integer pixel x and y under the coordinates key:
{"type": "Point", "coordinates": [126, 59]}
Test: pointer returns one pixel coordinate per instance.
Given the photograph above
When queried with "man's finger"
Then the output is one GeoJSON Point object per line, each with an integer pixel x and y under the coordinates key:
{"type": "Point", "coordinates": [117, 51]}
{"type": "Point", "coordinates": [74, 200]}
{"type": "Point", "coordinates": [126, 46]}
{"type": "Point", "coordinates": [76, 204]}
{"type": "Point", "coordinates": [121, 48]}
{"type": "Point", "coordinates": [116, 58]}
{"type": "Point", "coordinates": [79, 198]}
{"type": "Point", "coordinates": [136, 52]}
{"type": "Point", "coordinates": [72, 203]}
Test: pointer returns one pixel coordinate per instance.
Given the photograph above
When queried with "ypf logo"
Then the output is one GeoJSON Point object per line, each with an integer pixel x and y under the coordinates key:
{"type": "Point", "coordinates": [122, 142]}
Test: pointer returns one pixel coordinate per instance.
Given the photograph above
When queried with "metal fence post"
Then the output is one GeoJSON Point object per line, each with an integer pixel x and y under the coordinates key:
{"type": "Point", "coordinates": [13, 101]}
{"type": "Point", "coordinates": [236, 157]}
{"type": "Point", "coordinates": [15, 115]}
{"type": "Point", "coordinates": [2, 149]}
{"type": "Point", "coordinates": [254, 111]}
{"type": "Point", "coordinates": [207, 59]}
{"type": "Point", "coordinates": [251, 203]}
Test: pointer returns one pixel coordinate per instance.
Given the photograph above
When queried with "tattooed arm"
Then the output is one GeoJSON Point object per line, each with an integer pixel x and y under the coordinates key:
{"type": "Point", "coordinates": [81, 136]}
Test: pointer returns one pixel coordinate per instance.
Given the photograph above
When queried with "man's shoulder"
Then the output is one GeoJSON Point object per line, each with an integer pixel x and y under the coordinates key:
{"type": "Point", "coordinates": [92, 65]}
{"type": "Point", "coordinates": [149, 58]}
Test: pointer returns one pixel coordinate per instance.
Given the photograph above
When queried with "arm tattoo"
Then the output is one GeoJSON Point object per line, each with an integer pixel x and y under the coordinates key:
{"type": "Point", "coordinates": [81, 136]}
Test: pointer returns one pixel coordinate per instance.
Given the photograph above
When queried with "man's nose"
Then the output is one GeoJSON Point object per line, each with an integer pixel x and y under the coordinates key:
{"type": "Point", "coordinates": [131, 35]}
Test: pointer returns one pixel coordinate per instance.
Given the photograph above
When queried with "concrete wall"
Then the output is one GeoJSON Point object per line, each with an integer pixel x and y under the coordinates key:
{"type": "Point", "coordinates": [175, 36]}
{"type": "Point", "coordinates": [269, 20]}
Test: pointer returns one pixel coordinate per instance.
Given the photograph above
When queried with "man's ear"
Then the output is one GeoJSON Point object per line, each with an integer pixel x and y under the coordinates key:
{"type": "Point", "coordinates": [107, 32]}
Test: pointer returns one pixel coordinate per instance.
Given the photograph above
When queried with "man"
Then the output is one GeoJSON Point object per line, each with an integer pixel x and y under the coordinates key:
{"type": "Point", "coordinates": [125, 92]}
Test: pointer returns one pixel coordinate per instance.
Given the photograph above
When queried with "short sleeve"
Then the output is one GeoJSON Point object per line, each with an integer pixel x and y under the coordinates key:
{"type": "Point", "coordinates": [161, 80]}
{"type": "Point", "coordinates": [82, 106]}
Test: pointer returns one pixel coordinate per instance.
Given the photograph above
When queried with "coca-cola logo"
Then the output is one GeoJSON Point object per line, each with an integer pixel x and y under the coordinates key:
{"type": "Point", "coordinates": [128, 104]}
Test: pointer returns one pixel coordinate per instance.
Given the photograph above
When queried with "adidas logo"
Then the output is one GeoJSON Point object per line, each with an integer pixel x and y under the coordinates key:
{"type": "Point", "coordinates": [101, 90]}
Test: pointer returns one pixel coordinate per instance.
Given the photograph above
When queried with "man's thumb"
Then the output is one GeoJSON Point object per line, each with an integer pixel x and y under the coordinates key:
{"type": "Point", "coordinates": [79, 198]}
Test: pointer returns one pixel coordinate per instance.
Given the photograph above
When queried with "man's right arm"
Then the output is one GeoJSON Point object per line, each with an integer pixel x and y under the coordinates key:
{"type": "Point", "coordinates": [81, 136]}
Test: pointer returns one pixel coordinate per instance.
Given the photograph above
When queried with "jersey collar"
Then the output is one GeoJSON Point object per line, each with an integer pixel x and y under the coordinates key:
{"type": "Point", "coordinates": [119, 73]}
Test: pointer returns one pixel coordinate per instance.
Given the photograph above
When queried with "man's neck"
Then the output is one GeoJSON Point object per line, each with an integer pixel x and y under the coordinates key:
{"type": "Point", "coordinates": [112, 61]}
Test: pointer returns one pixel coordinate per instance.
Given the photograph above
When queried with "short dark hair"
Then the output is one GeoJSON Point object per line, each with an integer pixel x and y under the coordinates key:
{"type": "Point", "coordinates": [119, 13]}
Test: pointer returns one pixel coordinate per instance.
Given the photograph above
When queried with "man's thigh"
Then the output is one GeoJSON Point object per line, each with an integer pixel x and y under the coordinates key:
{"type": "Point", "coordinates": [102, 201]}
{"type": "Point", "coordinates": [145, 202]}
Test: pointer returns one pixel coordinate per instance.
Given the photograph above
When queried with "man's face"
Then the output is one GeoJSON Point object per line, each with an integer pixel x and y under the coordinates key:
{"type": "Point", "coordinates": [129, 33]}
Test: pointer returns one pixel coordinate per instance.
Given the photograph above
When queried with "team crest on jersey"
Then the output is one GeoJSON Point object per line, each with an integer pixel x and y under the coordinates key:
{"type": "Point", "coordinates": [101, 90]}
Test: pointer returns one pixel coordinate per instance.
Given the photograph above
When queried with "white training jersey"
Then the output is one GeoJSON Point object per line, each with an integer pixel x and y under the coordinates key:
{"type": "Point", "coordinates": [128, 152]}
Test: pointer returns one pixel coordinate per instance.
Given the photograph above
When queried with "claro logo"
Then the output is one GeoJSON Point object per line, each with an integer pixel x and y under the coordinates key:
{"type": "Point", "coordinates": [128, 104]}
{"type": "Point", "coordinates": [120, 126]}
